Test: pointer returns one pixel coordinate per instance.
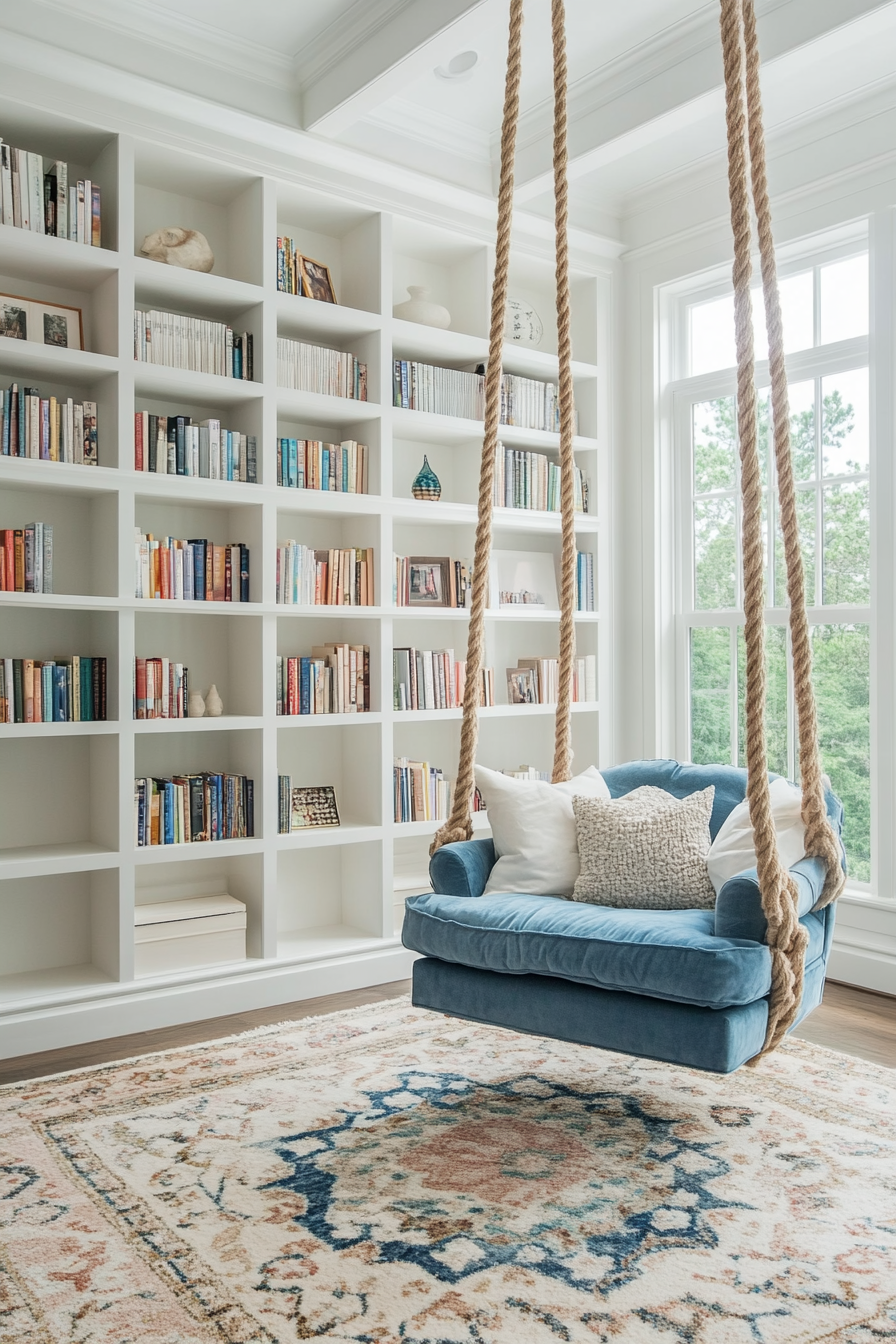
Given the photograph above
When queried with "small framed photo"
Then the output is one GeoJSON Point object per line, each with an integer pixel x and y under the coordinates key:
{"type": "Point", "coordinates": [44, 323]}
{"type": "Point", "coordinates": [522, 688]}
{"type": "Point", "coordinates": [428, 581]}
{"type": "Point", "coordinates": [313, 806]}
{"type": "Point", "coordinates": [316, 281]}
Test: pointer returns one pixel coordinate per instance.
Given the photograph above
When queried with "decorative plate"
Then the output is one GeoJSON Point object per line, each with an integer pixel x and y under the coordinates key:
{"type": "Point", "coordinates": [523, 326]}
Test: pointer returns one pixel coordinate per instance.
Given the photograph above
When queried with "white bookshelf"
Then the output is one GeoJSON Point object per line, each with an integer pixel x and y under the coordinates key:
{"type": "Point", "coordinates": [323, 907]}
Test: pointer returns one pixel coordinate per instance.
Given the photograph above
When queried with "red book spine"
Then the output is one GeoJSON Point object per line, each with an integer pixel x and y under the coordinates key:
{"type": "Point", "coordinates": [292, 685]}
{"type": "Point", "coordinates": [140, 688]}
{"type": "Point", "coordinates": [138, 441]}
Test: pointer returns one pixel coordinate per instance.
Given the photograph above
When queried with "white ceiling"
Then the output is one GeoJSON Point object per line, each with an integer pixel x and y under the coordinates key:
{"type": "Point", "coordinates": [645, 78]}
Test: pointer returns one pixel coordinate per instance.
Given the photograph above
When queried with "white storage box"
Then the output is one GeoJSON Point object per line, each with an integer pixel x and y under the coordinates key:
{"type": "Point", "coordinates": [198, 931]}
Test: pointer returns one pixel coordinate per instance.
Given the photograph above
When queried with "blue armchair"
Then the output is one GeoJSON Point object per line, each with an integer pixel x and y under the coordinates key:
{"type": "Point", "coordinates": [687, 986]}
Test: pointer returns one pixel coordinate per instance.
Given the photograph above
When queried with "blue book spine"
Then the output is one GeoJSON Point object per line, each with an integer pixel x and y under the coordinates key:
{"type": "Point", "coordinates": [294, 481]}
{"type": "Point", "coordinates": [20, 446]}
{"type": "Point", "coordinates": [46, 692]}
{"type": "Point", "coordinates": [325, 470]}
{"type": "Point", "coordinates": [169, 812]}
{"type": "Point", "coordinates": [244, 573]}
{"type": "Point", "coordinates": [86, 690]}
{"type": "Point", "coordinates": [60, 697]}
{"type": "Point", "coordinates": [304, 685]}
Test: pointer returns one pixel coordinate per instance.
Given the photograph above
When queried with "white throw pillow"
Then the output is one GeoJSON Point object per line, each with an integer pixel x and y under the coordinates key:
{"type": "Point", "coordinates": [534, 830]}
{"type": "Point", "coordinates": [733, 851]}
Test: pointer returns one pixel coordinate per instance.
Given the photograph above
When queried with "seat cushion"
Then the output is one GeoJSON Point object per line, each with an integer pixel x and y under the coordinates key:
{"type": "Point", "coordinates": [666, 954]}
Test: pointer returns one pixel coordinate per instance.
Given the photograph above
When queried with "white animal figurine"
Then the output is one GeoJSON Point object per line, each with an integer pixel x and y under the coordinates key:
{"type": "Point", "coordinates": [187, 248]}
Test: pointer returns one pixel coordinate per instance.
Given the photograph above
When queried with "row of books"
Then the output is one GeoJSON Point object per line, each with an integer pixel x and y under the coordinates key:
{"type": "Point", "coordinates": [316, 578]}
{"type": "Point", "coordinates": [45, 428]}
{"type": "Point", "coordinates": [584, 581]}
{"type": "Point", "coordinates": [532, 481]}
{"type": "Point", "coordinates": [62, 690]}
{"type": "Point", "coordinates": [313, 368]}
{"type": "Point", "coordinates": [420, 792]}
{"type": "Point", "coordinates": [535, 681]}
{"type": "Point", "coordinates": [161, 689]}
{"type": "Point", "coordinates": [26, 559]}
{"type": "Point", "coordinates": [46, 202]}
{"type": "Point", "coordinates": [194, 807]}
{"type": "Point", "coordinates": [192, 343]}
{"type": "Point", "coordinates": [429, 581]}
{"type": "Point", "coordinates": [172, 445]}
{"type": "Point", "coordinates": [197, 570]}
{"type": "Point", "coordinates": [434, 679]}
{"type": "Point", "coordinates": [335, 679]}
{"type": "Point", "coordinates": [527, 403]}
{"type": "Point", "coordinates": [309, 464]}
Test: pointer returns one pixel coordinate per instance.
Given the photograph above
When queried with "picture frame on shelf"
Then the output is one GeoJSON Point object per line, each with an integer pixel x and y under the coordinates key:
{"type": "Point", "coordinates": [55, 324]}
{"type": "Point", "coordinates": [313, 806]}
{"type": "Point", "coordinates": [317, 283]}
{"type": "Point", "coordinates": [428, 581]}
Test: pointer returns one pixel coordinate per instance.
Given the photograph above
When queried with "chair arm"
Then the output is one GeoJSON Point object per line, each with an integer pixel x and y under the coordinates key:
{"type": "Point", "coordinates": [462, 869]}
{"type": "Point", "coordinates": [739, 905]}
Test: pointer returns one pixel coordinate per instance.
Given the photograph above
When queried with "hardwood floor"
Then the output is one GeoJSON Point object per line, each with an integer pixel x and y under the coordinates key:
{"type": "Point", "coordinates": [851, 1020]}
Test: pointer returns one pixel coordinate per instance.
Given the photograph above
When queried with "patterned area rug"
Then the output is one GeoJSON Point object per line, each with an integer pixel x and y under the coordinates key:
{"type": "Point", "coordinates": [388, 1175]}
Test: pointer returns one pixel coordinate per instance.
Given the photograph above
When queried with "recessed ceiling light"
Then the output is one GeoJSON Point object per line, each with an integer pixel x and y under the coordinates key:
{"type": "Point", "coordinates": [460, 66]}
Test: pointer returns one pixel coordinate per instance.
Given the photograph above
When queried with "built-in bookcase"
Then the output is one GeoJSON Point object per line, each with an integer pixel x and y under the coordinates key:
{"type": "Point", "coordinates": [323, 905]}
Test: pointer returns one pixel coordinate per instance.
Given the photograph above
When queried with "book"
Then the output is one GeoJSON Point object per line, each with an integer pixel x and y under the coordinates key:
{"type": "Point", "coordinates": [46, 428]}
{"type": "Point", "coordinates": [311, 464]}
{"type": "Point", "coordinates": [420, 792]}
{"type": "Point", "coordinates": [205, 449]}
{"type": "Point", "coordinates": [526, 403]}
{"type": "Point", "coordinates": [193, 808]}
{"type": "Point", "coordinates": [314, 368]}
{"type": "Point", "coordinates": [53, 690]}
{"type": "Point", "coordinates": [41, 200]}
{"type": "Point", "coordinates": [434, 679]}
{"type": "Point", "coordinates": [314, 577]}
{"type": "Point", "coordinates": [192, 343]}
{"type": "Point", "coordinates": [194, 570]}
{"type": "Point", "coordinates": [526, 480]}
{"type": "Point", "coordinates": [26, 559]}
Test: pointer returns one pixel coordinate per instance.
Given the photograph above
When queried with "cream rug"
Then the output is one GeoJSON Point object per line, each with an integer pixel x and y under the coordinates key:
{"type": "Point", "coordinates": [387, 1175]}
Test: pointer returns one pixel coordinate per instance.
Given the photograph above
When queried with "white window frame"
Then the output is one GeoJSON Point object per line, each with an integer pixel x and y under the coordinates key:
{"type": "Point", "coordinates": [679, 395]}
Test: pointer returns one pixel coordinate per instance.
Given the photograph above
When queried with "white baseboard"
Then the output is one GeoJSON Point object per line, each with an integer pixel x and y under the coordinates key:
{"type": "Point", "coordinates": [102, 1017]}
{"type": "Point", "coordinates": [863, 968]}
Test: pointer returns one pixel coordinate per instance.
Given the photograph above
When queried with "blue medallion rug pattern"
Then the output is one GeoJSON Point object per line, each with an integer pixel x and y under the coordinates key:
{"type": "Point", "coordinates": [388, 1176]}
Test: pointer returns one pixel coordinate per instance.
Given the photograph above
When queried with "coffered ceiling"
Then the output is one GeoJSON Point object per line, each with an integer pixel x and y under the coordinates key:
{"type": "Point", "coordinates": [645, 97]}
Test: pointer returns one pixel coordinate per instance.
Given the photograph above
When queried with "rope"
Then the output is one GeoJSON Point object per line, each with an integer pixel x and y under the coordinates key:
{"type": "Point", "coordinates": [786, 937]}
{"type": "Point", "coordinates": [459, 825]}
{"type": "Point", "coordinates": [563, 721]}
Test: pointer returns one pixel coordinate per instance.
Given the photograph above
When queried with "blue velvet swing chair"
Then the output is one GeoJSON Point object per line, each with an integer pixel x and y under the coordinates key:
{"type": "Point", "coordinates": [690, 987]}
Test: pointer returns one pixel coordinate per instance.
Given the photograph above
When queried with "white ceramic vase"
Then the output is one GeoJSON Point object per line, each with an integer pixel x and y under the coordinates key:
{"type": "Point", "coordinates": [214, 707]}
{"type": "Point", "coordinates": [196, 706]}
{"type": "Point", "coordinates": [419, 309]}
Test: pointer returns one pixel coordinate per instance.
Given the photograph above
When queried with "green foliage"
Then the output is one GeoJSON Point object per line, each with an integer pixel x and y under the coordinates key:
{"type": "Point", "coordinates": [841, 663]}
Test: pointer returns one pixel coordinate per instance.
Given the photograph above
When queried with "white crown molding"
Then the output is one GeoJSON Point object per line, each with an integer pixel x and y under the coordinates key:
{"type": "Point", "coordinates": [444, 134]}
{"type": "Point", "coordinates": [166, 28]}
{"type": "Point", "coordinates": [354, 29]}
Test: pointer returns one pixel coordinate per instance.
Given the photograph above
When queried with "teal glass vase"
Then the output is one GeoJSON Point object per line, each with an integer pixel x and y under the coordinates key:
{"type": "Point", "coordinates": [426, 483]}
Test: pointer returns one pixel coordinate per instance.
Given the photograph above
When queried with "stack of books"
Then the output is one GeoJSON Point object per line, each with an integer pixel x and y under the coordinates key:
{"type": "Point", "coordinates": [195, 570]}
{"type": "Point", "coordinates": [45, 201]}
{"type": "Point", "coordinates": [584, 581]}
{"type": "Point", "coordinates": [309, 464]}
{"type": "Point", "coordinates": [532, 481]}
{"type": "Point", "coordinates": [64, 690]}
{"type": "Point", "coordinates": [172, 445]}
{"type": "Point", "coordinates": [26, 559]}
{"type": "Point", "coordinates": [535, 681]}
{"type": "Point", "coordinates": [525, 402]}
{"type": "Point", "coordinates": [335, 679]}
{"type": "Point", "coordinates": [45, 428]}
{"type": "Point", "coordinates": [318, 578]}
{"type": "Point", "coordinates": [312, 368]}
{"type": "Point", "coordinates": [192, 343]}
{"type": "Point", "coordinates": [189, 808]}
{"type": "Point", "coordinates": [434, 679]}
{"type": "Point", "coordinates": [161, 689]}
{"type": "Point", "coordinates": [420, 792]}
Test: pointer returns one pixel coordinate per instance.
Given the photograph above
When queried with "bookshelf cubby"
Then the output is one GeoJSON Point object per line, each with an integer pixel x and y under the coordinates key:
{"type": "Point", "coordinates": [323, 906]}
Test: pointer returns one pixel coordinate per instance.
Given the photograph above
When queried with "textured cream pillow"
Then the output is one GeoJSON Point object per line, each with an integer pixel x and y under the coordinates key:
{"type": "Point", "coordinates": [645, 851]}
{"type": "Point", "coordinates": [733, 850]}
{"type": "Point", "coordinates": [534, 830]}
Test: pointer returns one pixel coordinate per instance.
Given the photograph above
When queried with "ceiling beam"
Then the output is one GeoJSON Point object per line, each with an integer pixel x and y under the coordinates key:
{"type": "Point", "coordinates": [411, 40]}
{"type": "Point", "coordinates": [647, 95]}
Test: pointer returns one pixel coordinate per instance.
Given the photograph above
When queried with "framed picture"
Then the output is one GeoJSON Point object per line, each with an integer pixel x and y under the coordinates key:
{"type": "Point", "coordinates": [428, 581]}
{"type": "Point", "coordinates": [313, 806]}
{"type": "Point", "coordinates": [316, 282]}
{"type": "Point", "coordinates": [522, 686]}
{"type": "Point", "coordinates": [44, 323]}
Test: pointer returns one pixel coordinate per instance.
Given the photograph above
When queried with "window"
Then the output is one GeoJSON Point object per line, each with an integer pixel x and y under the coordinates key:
{"type": "Point", "coordinates": [825, 310]}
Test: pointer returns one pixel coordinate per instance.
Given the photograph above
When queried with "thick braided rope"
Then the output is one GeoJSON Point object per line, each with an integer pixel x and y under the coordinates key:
{"type": "Point", "coordinates": [563, 722]}
{"type": "Point", "coordinates": [459, 825]}
{"type": "Point", "coordinates": [820, 838]}
{"type": "Point", "coordinates": [786, 938]}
